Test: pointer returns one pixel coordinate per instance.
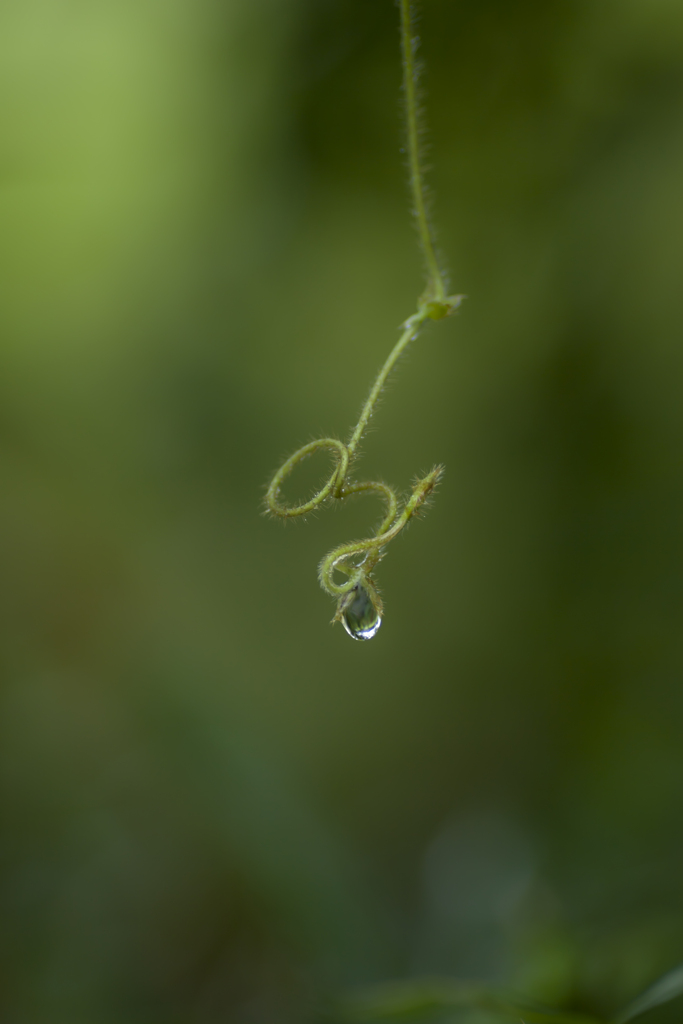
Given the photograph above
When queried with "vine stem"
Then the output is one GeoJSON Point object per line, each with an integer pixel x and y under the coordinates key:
{"type": "Point", "coordinates": [359, 604]}
{"type": "Point", "coordinates": [411, 329]}
{"type": "Point", "coordinates": [436, 288]}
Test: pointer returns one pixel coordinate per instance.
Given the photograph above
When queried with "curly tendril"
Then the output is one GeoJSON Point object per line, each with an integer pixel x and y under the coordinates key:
{"type": "Point", "coordinates": [359, 606]}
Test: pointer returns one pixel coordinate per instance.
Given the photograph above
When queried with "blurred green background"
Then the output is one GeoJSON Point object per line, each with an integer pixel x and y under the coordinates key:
{"type": "Point", "coordinates": [217, 808]}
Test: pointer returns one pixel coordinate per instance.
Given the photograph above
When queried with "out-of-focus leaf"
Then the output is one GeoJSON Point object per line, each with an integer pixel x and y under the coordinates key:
{"type": "Point", "coordinates": [669, 987]}
{"type": "Point", "coordinates": [413, 1000]}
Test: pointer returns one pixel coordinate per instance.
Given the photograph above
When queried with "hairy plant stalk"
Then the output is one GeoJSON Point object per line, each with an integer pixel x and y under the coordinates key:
{"type": "Point", "coordinates": [359, 606]}
{"type": "Point", "coordinates": [409, 42]}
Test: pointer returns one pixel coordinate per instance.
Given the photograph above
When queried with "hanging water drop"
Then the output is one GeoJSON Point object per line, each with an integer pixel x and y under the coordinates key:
{"type": "Point", "coordinates": [359, 614]}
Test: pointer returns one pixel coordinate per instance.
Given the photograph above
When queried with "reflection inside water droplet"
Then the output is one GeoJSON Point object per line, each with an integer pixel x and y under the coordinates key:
{"type": "Point", "coordinates": [359, 615]}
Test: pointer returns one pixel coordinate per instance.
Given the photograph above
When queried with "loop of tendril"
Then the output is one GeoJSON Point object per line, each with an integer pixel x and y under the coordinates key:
{"type": "Point", "coordinates": [331, 488]}
{"type": "Point", "coordinates": [344, 558]}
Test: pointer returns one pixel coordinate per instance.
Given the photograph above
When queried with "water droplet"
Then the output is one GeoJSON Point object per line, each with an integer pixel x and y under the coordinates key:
{"type": "Point", "coordinates": [359, 615]}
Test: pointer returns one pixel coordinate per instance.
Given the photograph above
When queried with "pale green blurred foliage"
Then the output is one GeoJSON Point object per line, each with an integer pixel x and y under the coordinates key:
{"type": "Point", "coordinates": [216, 807]}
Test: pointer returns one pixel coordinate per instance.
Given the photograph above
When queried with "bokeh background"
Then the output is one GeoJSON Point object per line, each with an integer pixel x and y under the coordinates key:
{"type": "Point", "coordinates": [216, 807]}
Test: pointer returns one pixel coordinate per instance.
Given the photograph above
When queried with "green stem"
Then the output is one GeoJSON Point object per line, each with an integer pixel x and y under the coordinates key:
{"type": "Point", "coordinates": [411, 330]}
{"type": "Point", "coordinates": [436, 288]}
